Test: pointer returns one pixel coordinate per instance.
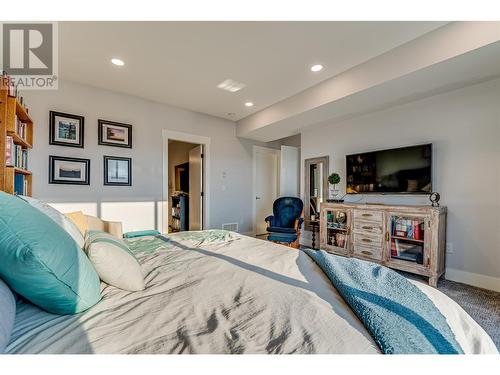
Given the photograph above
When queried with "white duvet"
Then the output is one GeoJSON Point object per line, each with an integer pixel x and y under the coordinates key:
{"type": "Point", "coordinates": [220, 292]}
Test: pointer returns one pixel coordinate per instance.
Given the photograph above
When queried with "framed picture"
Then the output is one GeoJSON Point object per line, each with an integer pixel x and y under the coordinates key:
{"type": "Point", "coordinates": [117, 171]}
{"type": "Point", "coordinates": [65, 129]}
{"type": "Point", "coordinates": [115, 134]}
{"type": "Point", "coordinates": [70, 171]}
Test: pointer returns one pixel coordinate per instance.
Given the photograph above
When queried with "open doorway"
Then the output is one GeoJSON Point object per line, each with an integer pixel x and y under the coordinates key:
{"type": "Point", "coordinates": [185, 186]}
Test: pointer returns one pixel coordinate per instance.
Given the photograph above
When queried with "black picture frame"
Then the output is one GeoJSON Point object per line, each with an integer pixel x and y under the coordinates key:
{"type": "Point", "coordinates": [54, 138]}
{"type": "Point", "coordinates": [55, 171]}
{"type": "Point", "coordinates": [103, 140]}
{"type": "Point", "coordinates": [108, 179]}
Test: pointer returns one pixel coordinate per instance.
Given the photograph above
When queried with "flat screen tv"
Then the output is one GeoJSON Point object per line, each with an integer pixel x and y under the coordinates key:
{"type": "Point", "coordinates": [405, 170]}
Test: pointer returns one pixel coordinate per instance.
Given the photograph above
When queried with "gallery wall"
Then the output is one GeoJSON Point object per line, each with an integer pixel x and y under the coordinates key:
{"type": "Point", "coordinates": [139, 206]}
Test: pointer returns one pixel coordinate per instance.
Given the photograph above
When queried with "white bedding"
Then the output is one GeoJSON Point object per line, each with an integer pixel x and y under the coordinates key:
{"type": "Point", "coordinates": [224, 294]}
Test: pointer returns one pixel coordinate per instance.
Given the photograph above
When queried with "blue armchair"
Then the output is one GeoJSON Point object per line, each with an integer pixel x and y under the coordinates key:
{"type": "Point", "coordinates": [284, 226]}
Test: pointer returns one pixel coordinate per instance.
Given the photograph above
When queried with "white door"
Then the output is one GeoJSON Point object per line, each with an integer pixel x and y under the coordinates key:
{"type": "Point", "coordinates": [266, 185]}
{"type": "Point", "coordinates": [290, 171]}
{"type": "Point", "coordinates": [195, 188]}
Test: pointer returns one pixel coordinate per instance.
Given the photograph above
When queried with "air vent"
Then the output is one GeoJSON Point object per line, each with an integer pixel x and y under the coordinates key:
{"type": "Point", "coordinates": [231, 85]}
{"type": "Point", "coordinates": [233, 227]}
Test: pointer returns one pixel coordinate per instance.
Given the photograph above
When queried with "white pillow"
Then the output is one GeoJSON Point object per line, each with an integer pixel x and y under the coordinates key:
{"type": "Point", "coordinates": [61, 219]}
{"type": "Point", "coordinates": [114, 262]}
{"type": "Point", "coordinates": [7, 314]}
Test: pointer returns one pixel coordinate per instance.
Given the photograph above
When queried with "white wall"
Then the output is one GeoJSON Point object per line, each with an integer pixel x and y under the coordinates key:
{"type": "Point", "coordinates": [464, 127]}
{"type": "Point", "coordinates": [139, 206]}
{"type": "Point", "coordinates": [293, 141]}
{"type": "Point", "coordinates": [290, 172]}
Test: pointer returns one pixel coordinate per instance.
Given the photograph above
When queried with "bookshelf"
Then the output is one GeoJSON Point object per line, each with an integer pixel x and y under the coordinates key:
{"type": "Point", "coordinates": [16, 139]}
{"type": "Point", "coordinates": [180, 212]}
{"type": "Point", "coordinates": [406, 238]}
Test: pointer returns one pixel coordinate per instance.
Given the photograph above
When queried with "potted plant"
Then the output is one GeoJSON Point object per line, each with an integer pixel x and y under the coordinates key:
{"type": "Point", "coordinates": [333, 179]}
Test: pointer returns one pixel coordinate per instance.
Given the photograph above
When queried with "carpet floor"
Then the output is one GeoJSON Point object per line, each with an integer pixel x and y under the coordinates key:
{"type": "Point", "coordinates": [481, 304]}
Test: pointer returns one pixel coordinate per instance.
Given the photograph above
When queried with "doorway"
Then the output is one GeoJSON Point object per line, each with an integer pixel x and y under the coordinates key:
{"type": "Point", "coordinates": [266, 165]}
{"type": "Point", "coordinates": [185, 188]}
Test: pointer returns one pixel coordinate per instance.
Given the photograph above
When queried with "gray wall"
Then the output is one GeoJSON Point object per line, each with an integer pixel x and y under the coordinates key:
{"type": "Point", "coordinates": [464, 127]}
{"type": "Point", "coordinates": [139, 206]}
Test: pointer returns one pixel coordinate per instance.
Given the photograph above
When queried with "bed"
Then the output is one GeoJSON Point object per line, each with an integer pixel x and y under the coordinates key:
{"type": "Point", "coordinates": [220, 292]}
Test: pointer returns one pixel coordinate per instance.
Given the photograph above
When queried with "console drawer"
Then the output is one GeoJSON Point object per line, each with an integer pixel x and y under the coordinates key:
{"type": "Point", "coordinates": [370, 240]}
{"type": "Point", "coordinates": [368, 215]}
{"type": "Point", "coordinates": [374, 253]}
{"type": "Point", "coordinates": [362, 226]}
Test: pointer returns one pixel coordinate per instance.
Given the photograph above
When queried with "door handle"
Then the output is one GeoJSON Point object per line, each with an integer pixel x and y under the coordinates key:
{"type": "Point", "coordinates": [257, 197]}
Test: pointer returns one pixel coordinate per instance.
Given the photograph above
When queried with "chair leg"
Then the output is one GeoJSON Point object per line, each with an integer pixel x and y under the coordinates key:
{"type": "Point", "coordinates": [296, 243]}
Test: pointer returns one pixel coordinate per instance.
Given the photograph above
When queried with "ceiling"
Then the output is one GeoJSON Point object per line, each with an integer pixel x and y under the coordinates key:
{"type": "Point", "coordinates": [181, 63]}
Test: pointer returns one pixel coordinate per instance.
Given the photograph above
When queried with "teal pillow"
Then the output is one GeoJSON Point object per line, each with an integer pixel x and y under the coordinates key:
{"type": "Point", "coordinates": [41, 261]}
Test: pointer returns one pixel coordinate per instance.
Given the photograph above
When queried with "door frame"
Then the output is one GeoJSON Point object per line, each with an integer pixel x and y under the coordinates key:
{"type": "Point", "coordinates": [275, 152]}
{"type": "Point", "coordinates": [189, 138]}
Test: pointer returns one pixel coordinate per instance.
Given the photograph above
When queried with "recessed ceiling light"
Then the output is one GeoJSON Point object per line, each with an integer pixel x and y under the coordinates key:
{"type": "Point", "coordinates": [231, 85]}
{"type": "Point", "coordinates": [316, 68]}
{"type": "Point", "coordinates": [117, 62]}
{"type": "Point", "coordinates": [248, 104]}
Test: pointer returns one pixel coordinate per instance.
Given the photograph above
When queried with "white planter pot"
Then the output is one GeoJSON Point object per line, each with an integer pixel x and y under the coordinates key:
{"type": "Point", "coordinates": [333, 192]}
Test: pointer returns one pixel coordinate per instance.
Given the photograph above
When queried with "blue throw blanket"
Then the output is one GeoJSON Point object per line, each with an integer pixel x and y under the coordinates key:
{"type": "Point", "coordinates": [399, 316]}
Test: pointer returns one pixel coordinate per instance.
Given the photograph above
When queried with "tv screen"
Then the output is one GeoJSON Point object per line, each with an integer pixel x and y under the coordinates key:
{"type": "Point", "coordinates": [400, 170]}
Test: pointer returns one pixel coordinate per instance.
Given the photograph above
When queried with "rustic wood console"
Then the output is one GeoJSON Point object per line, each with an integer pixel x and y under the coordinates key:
{"type": "Point", "coordinates": [407, 238]}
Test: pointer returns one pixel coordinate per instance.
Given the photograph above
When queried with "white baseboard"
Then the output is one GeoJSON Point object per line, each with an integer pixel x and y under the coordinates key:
{"type": "Point", "coordinates": [474, 279]}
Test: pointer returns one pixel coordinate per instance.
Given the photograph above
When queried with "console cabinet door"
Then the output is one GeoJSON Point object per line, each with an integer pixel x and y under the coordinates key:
{"type": "Point", "coordinates": [335, 231]}
{"type": "Point", "coordinates": [408, 241]}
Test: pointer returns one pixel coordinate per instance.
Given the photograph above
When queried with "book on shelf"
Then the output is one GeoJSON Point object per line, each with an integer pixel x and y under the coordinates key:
{"type": "Point", "coordinates": [406, 228]}
{"type": "Point", "coordinates": [12, 90]}
{"type": "Point", "coordinates": [8, 84]}
{"type": "Point", "coordinates": [15, 155]}
{"type": "Point", "coordinates": [394, 252]}
{"type": "Point", "coordinates": [418, 230]}
{"type": "Point", "coordinates": [19, 185]}
{"type": "Point", "coordinates": [9, 151]}
{"type": "Point", "coordinates": [20, 128]}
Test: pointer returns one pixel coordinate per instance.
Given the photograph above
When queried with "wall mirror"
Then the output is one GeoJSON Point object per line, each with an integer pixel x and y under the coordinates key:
{"type": "Point", "coordinates": [316, 188]}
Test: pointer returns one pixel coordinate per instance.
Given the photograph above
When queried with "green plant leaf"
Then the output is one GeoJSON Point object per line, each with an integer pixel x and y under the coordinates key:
{"type": "Point", "coordinates": [334, 178]}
